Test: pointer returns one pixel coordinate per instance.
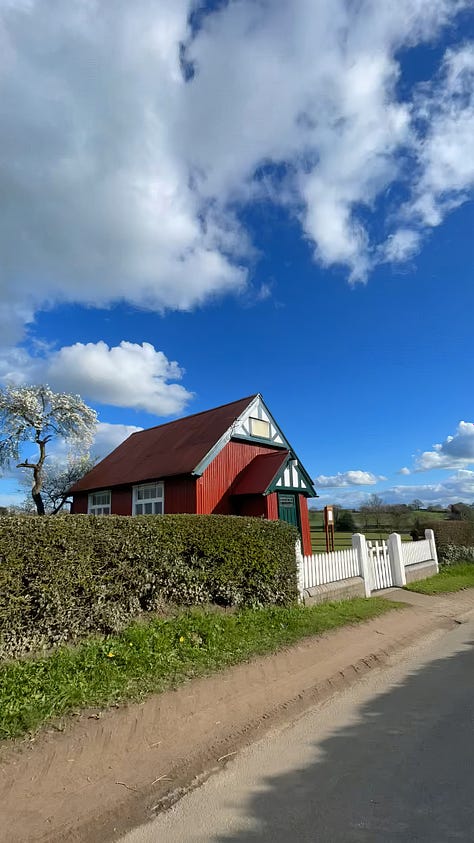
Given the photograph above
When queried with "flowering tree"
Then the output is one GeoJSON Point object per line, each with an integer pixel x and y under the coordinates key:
{"type": "Point", "coordinates": [37, 414]}
{"type": "Point", "coordinates": [58, 477]}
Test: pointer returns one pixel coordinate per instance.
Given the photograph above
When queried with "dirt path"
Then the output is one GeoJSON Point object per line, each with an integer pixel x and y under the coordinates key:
{"type": "Point", "coordinates": [107, 773]}
{"type": "Point", "coordinates": [388, 759]}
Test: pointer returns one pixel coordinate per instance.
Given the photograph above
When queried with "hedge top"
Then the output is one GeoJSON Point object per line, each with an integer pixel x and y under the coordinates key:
{"type": "Point", "coordinates": [63, 577]}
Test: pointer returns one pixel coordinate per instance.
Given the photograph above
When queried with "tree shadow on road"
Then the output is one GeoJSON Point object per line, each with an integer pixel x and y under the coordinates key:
{"type": "Point", "coordinates": [403, 772]}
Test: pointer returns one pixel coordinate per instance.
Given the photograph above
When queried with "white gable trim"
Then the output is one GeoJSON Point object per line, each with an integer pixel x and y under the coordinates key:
{"type": "Point", "coordinates": [258, 410]}
{"type": "Point", "coordinates": [292, 478]}
{"type": "Point", "coordinates": [241, 429]}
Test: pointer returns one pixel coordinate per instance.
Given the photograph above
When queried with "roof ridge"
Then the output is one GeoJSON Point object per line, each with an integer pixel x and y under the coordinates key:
{"type": "Point", "coordinates": [194, 415]}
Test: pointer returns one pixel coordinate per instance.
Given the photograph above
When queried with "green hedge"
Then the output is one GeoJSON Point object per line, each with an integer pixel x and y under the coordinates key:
{"type": "Point", "coordinates": [459, 533]}
{"type": "Point", "coordinates": [454, 541]}
{"type": "Point", "coordinates": [65, 577]}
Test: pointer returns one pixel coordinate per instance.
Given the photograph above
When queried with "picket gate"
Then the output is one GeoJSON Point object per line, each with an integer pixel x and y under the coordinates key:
{"type": "Point", "coordinates": [380, 567]}
{"type": "Point", "coordinates": [380, 564]}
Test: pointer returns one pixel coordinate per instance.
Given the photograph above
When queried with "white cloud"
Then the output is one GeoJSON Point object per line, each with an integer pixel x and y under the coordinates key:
{"type": "Point", "coordinates": [348, 498]}
{"type": "Point", "coordinates": [442, 146]}
{"type": "Point", "coordinates": [127, 375]}
{"type": "Point", "coordinates": [338, 131]}
{"type": "Point", "coordinates": [107, 437]}
{"type": "Point", "coordinates": [401, 246]}
{"type": "Point", "coordinates": [456, 451]}
{"type": "Point", "coordinates": [457, 487]}
{"type": "Point", "coordinates": [96, 204]}
{"type": "Point", "coordinates": [110, 436]}
{"type": "Point", "coordinates": [347, 478]}
{"type": "Point", "coordinates": [121, 177]}
{"type": "Point", "coordinates": [445, 156]}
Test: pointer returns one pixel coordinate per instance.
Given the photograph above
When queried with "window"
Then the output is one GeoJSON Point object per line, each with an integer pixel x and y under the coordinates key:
{"type": "Point", "coordinates": [260, 428]}
{"type": "Point", "coordinates": [99, 503]}
{"type": "Point", "coordinates": [148, 499]}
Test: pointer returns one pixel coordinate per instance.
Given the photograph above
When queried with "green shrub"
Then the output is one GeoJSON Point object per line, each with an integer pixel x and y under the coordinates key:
{"type": "Point", "coordinates": [65, 577]}
{"type": "Point", "coordinates": [345, 522]}
{"type": "Point", "coordinates": [454, 541]}
{"type": "Point", "coordinates": [451, 554]}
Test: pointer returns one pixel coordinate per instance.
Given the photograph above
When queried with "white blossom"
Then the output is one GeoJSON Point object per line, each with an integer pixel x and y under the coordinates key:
{"type": "Point", "coordinates": [37, 414]}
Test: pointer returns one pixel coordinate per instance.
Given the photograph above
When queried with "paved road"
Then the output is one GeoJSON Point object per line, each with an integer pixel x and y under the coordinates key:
{"type": "Point", "coordinates": [390, 760]}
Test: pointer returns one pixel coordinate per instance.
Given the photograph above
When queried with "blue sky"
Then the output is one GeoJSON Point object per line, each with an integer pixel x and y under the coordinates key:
{"type": "Point", "coordinates": [197, 207]}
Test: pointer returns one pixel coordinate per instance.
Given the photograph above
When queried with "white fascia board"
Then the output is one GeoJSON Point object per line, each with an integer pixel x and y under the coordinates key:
{"type": "Point", "coordinates": [222, 442]}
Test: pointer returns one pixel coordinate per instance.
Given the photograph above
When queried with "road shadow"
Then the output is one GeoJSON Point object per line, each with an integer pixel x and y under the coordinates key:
{"type": "Point", "coordinates": [403, 772]}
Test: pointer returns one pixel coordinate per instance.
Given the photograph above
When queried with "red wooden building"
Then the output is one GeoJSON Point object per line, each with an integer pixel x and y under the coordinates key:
{"type": "Point", "coordinates": [231, 460]}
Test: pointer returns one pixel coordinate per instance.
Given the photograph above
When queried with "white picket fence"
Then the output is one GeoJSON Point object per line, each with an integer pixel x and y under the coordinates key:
{"type": "Point", "coordinates": [321, 568]}
{"type": "Point", "coordinates": [414, 552]}
{"type": "Point", "coordinates": [381, 564]}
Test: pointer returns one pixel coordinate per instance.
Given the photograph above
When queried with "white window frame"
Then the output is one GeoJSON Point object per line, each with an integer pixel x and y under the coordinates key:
{"type": "Point", "coordinates": [255, 424]}
{"type": "Point", "coordinates": [102, 508]}
{"type": "Point", "coordinates": [156, 502]}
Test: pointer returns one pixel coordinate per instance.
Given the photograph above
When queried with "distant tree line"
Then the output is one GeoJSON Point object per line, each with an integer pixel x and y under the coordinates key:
{"type": "Point", "coordinates": [377, 515]}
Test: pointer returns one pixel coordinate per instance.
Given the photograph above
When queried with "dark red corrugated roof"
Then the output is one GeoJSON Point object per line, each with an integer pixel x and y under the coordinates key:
{"type": "Point", "coordinates": [259, 474]}
{"type": "Point", "coordinates": [169, 449]}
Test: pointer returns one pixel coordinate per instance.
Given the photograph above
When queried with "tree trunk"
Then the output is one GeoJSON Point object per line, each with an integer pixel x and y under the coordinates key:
{"type": "Point", "coordinates": [38, 502]}
{"type": "Point", "coordinates": [38, 482]}
{"type": "Point", "coordinates": [59, 506]}
{"type": "Point", "coordinates": [37, 469]}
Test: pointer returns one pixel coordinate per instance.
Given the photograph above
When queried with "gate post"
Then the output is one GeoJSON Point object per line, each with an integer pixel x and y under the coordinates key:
{"type": "Point", "coordinates": [395, 555]}
{"type": "Point", "coordinates": [429, 534]}
{"type": "Point", "coordinates": [359, 544]}
{"type": "Point", "coordinates": [299, 570]}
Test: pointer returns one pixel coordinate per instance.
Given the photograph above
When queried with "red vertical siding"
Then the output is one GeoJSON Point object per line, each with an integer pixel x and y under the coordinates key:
{"type": "Point", "coordinates": [180, 495]}
{"type": "Point", "coordinates": [79, 504]}
{"type": "Point", "coordinates": [305, 529]}
{"type": "Point", "coordinates": [122, 501]}
{"type": "Point", "coordinates": [272, 506]}
{"type": "Point", "coordinates": [213, 488]}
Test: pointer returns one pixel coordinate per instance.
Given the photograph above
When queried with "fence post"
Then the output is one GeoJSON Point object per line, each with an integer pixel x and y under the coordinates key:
{"type": "Point", "coordinates": [360, 545]}
{"type": "Point", "coordinates": [429, 534]}
{"type": "Point", "coordinates": [299, 570]}
{"type": "Point", "coordinates": [395, 554]}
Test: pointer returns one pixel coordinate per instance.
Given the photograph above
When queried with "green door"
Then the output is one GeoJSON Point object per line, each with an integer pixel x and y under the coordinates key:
{"type": "Point", "coordinates": [288, 509]}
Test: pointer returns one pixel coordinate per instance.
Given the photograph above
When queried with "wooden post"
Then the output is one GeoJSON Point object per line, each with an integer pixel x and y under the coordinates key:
{"type": "Point", "coordinates": [329, 527]}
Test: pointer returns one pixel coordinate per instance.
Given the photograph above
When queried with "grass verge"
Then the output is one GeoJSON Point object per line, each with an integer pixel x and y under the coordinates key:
{"type": "Point", "coordinates": [454, 578]}
{"type": "Point", "coordinates": [150, 657]}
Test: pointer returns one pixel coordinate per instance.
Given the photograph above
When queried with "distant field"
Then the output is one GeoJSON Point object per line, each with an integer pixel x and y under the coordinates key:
{"type": "Point", "coordinates": [343, 540]}
{"type": "Point", "coordinates": [431, 516]}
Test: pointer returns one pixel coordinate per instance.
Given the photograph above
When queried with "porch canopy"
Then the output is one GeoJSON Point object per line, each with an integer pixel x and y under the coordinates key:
{"type": "Point", "coordinates": [273, 472]}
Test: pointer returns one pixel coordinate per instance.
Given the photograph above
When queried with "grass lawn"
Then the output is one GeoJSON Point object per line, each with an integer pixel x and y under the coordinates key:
{"type": "Point", "coordinates": [155, 655]}
{"type": "Point", "coordinates": [454, 578]}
